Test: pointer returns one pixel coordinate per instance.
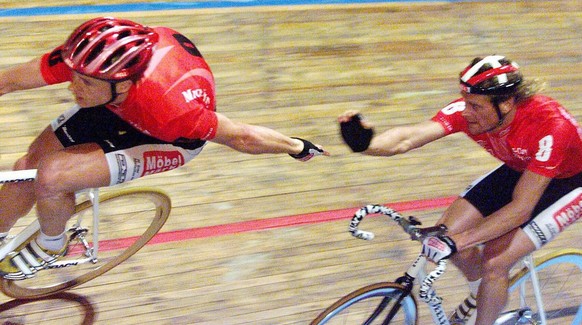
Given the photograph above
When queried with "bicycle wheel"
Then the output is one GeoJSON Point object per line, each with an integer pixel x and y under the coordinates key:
{"type": "Point", "coordinates": [560, 278]}
{"type": "Point", "coordinates": [372, 305]}
{"type": "Point", "coordinates": [128, 219]}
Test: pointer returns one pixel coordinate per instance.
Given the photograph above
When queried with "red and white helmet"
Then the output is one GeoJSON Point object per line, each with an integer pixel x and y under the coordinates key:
{"type": "Point", "coordinates": [110, 49]}
{"type": "Point", "coordinates": [491, 75]}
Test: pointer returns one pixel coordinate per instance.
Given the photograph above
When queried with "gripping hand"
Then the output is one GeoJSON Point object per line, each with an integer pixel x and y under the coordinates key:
{"type": "Point", "coordinates": [437, 248]}
{"type": "Point", "coordinates": [309, 151]}
{"type": "Point", "coordinates": [355, 135]}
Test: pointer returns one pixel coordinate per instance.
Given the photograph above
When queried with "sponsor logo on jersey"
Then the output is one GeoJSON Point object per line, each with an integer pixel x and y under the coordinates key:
{"type": "Point", "coordinates": [521, 154]}
{"type": "Point", "coordinates": [196, 94]}
{"type": "Point", "coordinates": [569, 214]}
{"type": "Point", "coordinates": [160, 161]}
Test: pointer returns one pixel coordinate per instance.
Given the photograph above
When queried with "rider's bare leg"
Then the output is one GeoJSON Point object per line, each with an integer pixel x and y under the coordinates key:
{"type": "Point", "coordinates": [23, 193]}
{"type": "Point", "coordinates": [499, 256]}
{"type": "Point", "coordinates": [60, 175]}
{"type": "Point", "coordinates": [460, 216]}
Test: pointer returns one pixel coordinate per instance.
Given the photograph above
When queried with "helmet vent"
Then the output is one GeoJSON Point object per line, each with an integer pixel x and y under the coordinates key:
{"type": "Point", "coordinates": [124, 34]}
{"type": "Point", "coordinates": [95, 52]}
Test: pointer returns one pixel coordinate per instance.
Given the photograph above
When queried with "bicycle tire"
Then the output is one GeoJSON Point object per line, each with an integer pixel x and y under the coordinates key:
{"type": "Point", "coordinates": [560, 278]}
{"type": "Point", "coordinates": [121, 235]}
{"type": "Point", "coordinates": [356, 307]}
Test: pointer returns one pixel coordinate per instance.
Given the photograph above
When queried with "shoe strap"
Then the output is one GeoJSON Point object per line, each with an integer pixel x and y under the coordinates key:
{"type": "Point", "coordinates": [32, 258]}
{"type": "Point", "coordinates": [45, 254]}
{"type": "Point", "coordinates": [23, 266]}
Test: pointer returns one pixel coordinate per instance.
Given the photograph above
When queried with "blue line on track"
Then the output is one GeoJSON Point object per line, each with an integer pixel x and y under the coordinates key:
{"type": "Point", "coordinates": [153, 6]}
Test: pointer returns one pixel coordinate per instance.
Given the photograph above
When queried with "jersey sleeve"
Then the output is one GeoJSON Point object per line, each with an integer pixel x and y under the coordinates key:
{"type": "Point", "coordinates": [195, 124]}
{"type": "Point", "coordinates": [53, 69]}
{"type": "Point", "coordinates": [450, 117]}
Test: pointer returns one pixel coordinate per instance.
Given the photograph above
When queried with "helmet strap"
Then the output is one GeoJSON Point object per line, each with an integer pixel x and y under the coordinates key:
{"type": "Point", "coordinates": [114, 93]}
{"type": "Point", "coordinates": [500, 115]}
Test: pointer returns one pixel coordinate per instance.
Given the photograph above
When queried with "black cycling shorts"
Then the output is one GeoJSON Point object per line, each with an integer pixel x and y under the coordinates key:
{"type": "Point", "coordinates": [559, 206]}
{"type": "Point", "coordinates": [130, 153]}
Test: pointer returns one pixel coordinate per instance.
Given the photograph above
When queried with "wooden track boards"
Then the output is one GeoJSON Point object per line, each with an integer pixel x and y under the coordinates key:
{"type": "Point", "coordinates": [295, 69]}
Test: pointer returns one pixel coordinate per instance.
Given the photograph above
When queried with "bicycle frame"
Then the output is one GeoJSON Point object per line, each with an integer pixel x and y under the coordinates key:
{"type": "Point", "coordinates": [150, 206]}
{"type": "Point", "coordinates": [29, 175]}
{"type": "Point", "coordinates": [524, 311]}
{"type": "Point", "coordinates": [428, 294]}
{"type": "Point", "coordinates": [417, 270]}
{"type": "Point", "coordinates": [529, 263]}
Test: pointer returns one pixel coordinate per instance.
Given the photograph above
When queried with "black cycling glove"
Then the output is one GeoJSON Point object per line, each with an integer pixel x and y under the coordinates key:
{"type": "Point", "coordinates": [355, 135]}
{"type": "Point", "coordinates": [309, 151]}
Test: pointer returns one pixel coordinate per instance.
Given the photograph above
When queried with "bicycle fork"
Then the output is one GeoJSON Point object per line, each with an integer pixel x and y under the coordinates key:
{"type": "Point", "coordinates": [427, 293]}
{"type": "Point", "coordinates": [383, 304]}
{"type": "Point", "coordinates": [407, 283]}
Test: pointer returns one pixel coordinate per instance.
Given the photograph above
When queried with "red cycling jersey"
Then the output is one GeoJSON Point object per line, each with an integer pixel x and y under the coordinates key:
{"type": "Point", "coordinates": [174, 99]}
{"type": "Point", "coordinates": [543, 137]}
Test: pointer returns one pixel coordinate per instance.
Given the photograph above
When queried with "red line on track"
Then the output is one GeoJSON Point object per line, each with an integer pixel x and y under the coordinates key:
{"type": "Point", "coordinates": [272, 223]}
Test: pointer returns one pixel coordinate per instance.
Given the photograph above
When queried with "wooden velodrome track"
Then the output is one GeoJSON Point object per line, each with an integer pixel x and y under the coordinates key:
{"type": "Point", "coordinates": [295, 68]}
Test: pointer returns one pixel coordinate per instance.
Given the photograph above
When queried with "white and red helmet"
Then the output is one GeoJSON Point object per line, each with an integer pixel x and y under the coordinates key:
{"type": "Point", "coordinates": [491, 75]}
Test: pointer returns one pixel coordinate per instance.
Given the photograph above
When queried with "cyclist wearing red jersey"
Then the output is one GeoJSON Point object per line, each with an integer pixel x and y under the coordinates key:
{"type": "Point", "coordinates": [145, 104]}
{"type": "Point", "coordinates": [516, 208]}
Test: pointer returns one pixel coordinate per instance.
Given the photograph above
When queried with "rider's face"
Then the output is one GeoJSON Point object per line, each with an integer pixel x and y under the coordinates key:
{"type": "Point", "coordinates": [89, 92]}
{"type": "Point", "coordinates": [480, 113]}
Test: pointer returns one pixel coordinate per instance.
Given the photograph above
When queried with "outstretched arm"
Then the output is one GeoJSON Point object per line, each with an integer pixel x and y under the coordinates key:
{"type": "Point", "coordinates": [391, 142]}
{"type": "Point", "coordinates": [21, 77]}
{"type": "Point", "coordinates": [405, 138]}
{"type": "Point", "coordinates": [255, 139]}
